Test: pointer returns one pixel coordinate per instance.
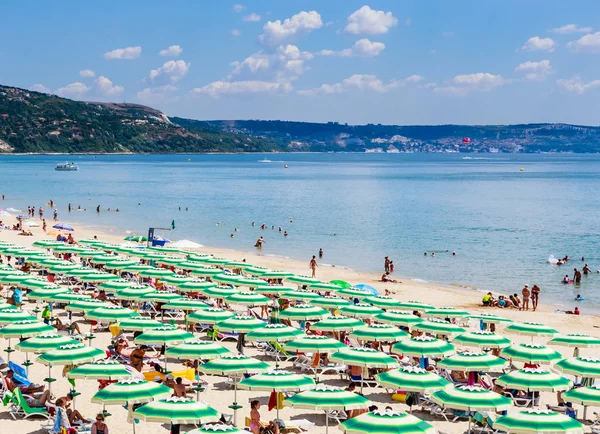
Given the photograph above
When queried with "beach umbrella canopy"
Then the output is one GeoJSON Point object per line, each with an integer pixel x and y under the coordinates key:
{"type": "Point", "coordinates": [489, 318]}
{"type": "Point", "coordinates": [330, 302]}
{"type": "Point", "coordinates": [84, 271]}
{"type": "Point", "coordinates": [195, 349]}
{"type": "Point", "coordinates": [71, 354]}
{"type": "Point", "coordinates": [8, 316]}
{"type": "Point", "coordinates": [233, 364]}
{"type": "Point", "coordinates": [398, 318]}
{"type": "Point", "coordinates": [446, 312]}
{"type": "Point", "coordinates": [472, 362]}
{"type": "Point", "coordinates": [341, 283]}
{"type": "Point", "coordinates": [63, 227]}
{"type": "Point", "coordinates": [134, 292]}
{"type": "Point", "coordinates": [206, 271]}
{"type": "Point", "coordinates": [120, 263]}
{"type": "Point", "coordinates": [35, 284]}
{"type": "Point", "coordinates": [176, 410]}
{"type": "Point", "coordinates": [278, 381]}
{"type": "Point", "coordinates": [382, 301]}
{"type": "Point", "coordinates": [414, 305]}
{"type": "Point", "coordinates": [327, 398]}
{"type": "Point", "coordinates": [471, 398]}
{"type": "Point", "coordinates": [438, 327]}
{"type": "Point", "coordinates": [271, 274]}
{"type": "Point", "coordinates": [304, 312]}
{"type": "Point", "coordinates": [534, 421]}
{"type": "Point", "coordinates": [47, 291]}
{"type": "Point", "coordinates": [169, 260]}
{"type": "Point", "coordinates": [103, 369]}
{"type": "Point", "coordinates": [110, 313]}
{"type": "Point", "coordinates": [274, 290]}
{"type": "Point", "coordinates": [531, 329]}
{"type": "Point", "coordinates": [218, 428]}
{"type": "Point", "coordinates": [324, 286]}
{"type": "Point", "coordinates": [155, 272]}
{"type": "Point", "coordinates": [44, 342]}
{"type": "Point", "coordinates": [25, 328]}
{"type": "Point", "coordinates": [185, 264]}
{"type": "Point", "coordinates": [354, 293]}
{"type": "Point", "coordinates": [251, 283]}
{"type": "Point", "coordinates": [98, 277]}
{"type": "Point", "coordinates": [104, 259]}
{"type": "Point", "coordinates": [160, 296]}
{"type": "Point", "coordinates": [580, 366]}
{"type": "Point", "coordinates": [172, 249]}
{"type": "Point", "coordinates": [379, 333]}
{"type": "Point", "coordinates": [69, 296]}
{"type": "Point", "coordinates": [136, 238]}
{"type": "Point", "coordinates": [219, 292]}
{"type": "Point", "coordinates": [8, 306]}
{"type": "Point", "coordinates": [176, 279]}
{"type": "Point", "coordinates": [338, 324]}
{"type": "Point", "coordinates": [248, 299]}
{"type": "Point", "coordinates": [589, 395]}
{"type": "Point", "coordinates": [195, 286]}
{"type": "Point", "coordinates": [16, 278]}
{"type": "Point", "coordinates": [482, 339]}
{"type": "Point", "coordinates": [85, 305]}
{"type": "Point", "coordinates": [89, 253]}
{"type": "Point", "coordinates": [386, 422]}
{"type": "Point", "coordinates": [361, 310]}
{"type": "Point", "coordinates": [136, 269]}
{"type": "Point", "coordinates": [210, 315]}
{"type": "Point", "coordinates": [300, 294]}
{"type": "Point", "coordinates": [68, 248]}
{"type": "Point", "coordinates": [575, 340]}
{"type": "Point", "coordinates": [228, 279]}
{"type": "Point", "coordinates": [131, 391]}
{"type": "Point", "coordinates": [61, 268]}
{"type": "Point", "coordinates": [364, 357]}
{"type": "Point", "coordinates": [423, 346]}
{"type": "Point", "coordinates": [534, 380]}
{"type": "Point", "coordinates": [48, 244]}
{"type": "Point", "coordinates": [240, 324]}
{"type": "Point", "coordinates": [275, 333]}
{"type": "Point", "coordinates": [139, 323]}
{"type": "Point", "coordinates": [167, 334]}
{"type": "Point", "coordinates": [117, 284]}
{"type": "Point", "coordinates": [313, 343]}
{"type": "Point", "coordinates": [531, 353]}
{"type": "Point", "coordinates": [412, 379]}
{"type": "Point", "coordinates": [185, 304]}
{"type": "Point", "coordinates": [303, 280]}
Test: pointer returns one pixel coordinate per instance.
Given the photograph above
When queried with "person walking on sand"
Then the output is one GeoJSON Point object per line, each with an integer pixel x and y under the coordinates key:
{"type": "Point", "coordinates": [55, 215]}
{"type": "Point", "coordinates": [526, 293]}
{"type": "Point", "coordinates": [535, 296]}
{"type": "Point", "coordinates": [576, 276]}
{"type": "Point", "coordinates": [313, 265]}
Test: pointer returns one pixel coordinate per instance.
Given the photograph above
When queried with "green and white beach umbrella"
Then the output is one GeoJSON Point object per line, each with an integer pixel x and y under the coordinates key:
{"type": "Point", "coordinates": [361, 310]}
{"type": "Point", "coordinates": [110, 313]}
{"type": "Point", "coordinates": [25, 328]}
{"type": "Point", "coordinates": [69, 296]}
{"type": "Point", "coordinates": [76, 272]}
{"type": "Point", "coordinates": [303, 280]}
{"type": "Point", "coordinates": [134, 292]}
{"type": "Point", "coordinates": [330, 302]}
{"type": "Point", "coordinates": [300, 294]}
{"type": "Point", "coordinates": [136, 269]}
{"type": "Point", "coordinates": [176, 279]}
{"type": "Point", "coordinates": [48, 244]}
{"type": "Point", "coordinates": [481, 339]}
{"type": "Point", "coordinates": [472, 362]}
{"type": "Point", "coordinates": [274, 290]}
{"type": "Point", "coordinates": [278, 381]}
{"type": "Point", "coordinates": [354, 293]}
{"type": "Point", "coordinates": [386, 422]}
{"type": "Point", "coordinates": [185, 304]}
{"type": "Point", "coordinates": [47, 292]}
{"type": "Point", "coordinates": [61, 268]}
{"type": "Point", "coordinates": [103, 369]}
{"type": "Point", "coordinates": [221, 292]}
{"type": "Point", "coordinates": [423, 346]}
{"type": "Point", "coordinates": [379, 333]}
{"type": "Point", "coordinates": [398, 318]}
{"type": "Point", "coordinates": [437, 326]}
{"type": "Point", "coordinates": [167, 334]}
{"type": "Point", "coordinates": [275, 333]}
{"type": "Point", "coordinates": [251, 283]}
{"type": "Point", "coordinates": [206, 271]}
{"type": "Point", "coordinates": [98, 277]}
{"type": "Point", "coordinates": [8, 306]}
{"type": "Point", "coordinates": [247, 298]}
{"type": "Point", "coordinates": [382, 301]}
{"type": "Point", "coordinates": [158, 273]}
{"type": "Point", "coordinates": [195, 286]}
{"type": "Point", "coordinates": [575, 340]}
{"type": "Point", "coordinates": [160, 297]}
{"type": "Point", "coordinates": [194, 349]}
{"type": "Point", "coordinates": [364, 357]}
{"type": "Point", "coordinates": [580, 366]}
{"type": "Point", "coordinates": [35, 284]}
{"type": "Point", "coordinates": [313, 343]}
{"type": "Point", "coordinates": [531, 329]}
{"type": "Point", "coordinates": [535, 421]}
{"type": "Point", "coordinates": [589, 395]}
{"type": "Point", "coordinates": [218, 428]}
{"type": "Point", "coordinates": [324, 286]}
{"type": "Point", "coordinates": [190, 265]}
{"type": "Point", "coordinates": [531, 353]}
{"type": "Point", "coordinates": [139, 323]}
{"type": "Point", "coordinates": [17, 278]}
{"type": "Point", "coordinates": [240, 324]}
{"type": "Point", "coordinates": [414, 305]}
{"type": "Point", "coordinates": [227, 279]}
{"type": "Point", "coordinates": [412, 379]}
{"type": "Point", "coordinates": [71, 354]}
{"type": "Point", "coordinates": [446, 312]}
{"type": "Point", "coordinates": [489, 318]}
{"type": "Point", "coordinates": [89, 253]}
{"type": "Point", "coordinates": [85, 305]}
{"type": "Point", "coordinates": [233, 364]}
{"type": "Point", "coordinates": [471, 398]}
{"type": "Point", "coordinates": [117, 285]}
{"type": "Point", "coordinates": [304, 312]}
{"type": "Point", "coordinates": [210, 315]}
{"type": "Point", "coordinates": [534, 380]}
{"type": "Point", "coordinates": [272, 274]}
{"type": "Point", "coordinates": [167, 249]}
{"type": "Point", "coordinates": [8, 316]}
{"type": "Point", "coordinates": [131, 391]}
{"type": "Point", "coordinates": [338, 324]}
{"type": "Point", "coordinates": [44, 342]}
{"type": "Point", "coordinates": [68, 248]}
{"type": "Point", "coordinates": [169, 260]}
{"type": "Point", "coordinates": [177, 411]}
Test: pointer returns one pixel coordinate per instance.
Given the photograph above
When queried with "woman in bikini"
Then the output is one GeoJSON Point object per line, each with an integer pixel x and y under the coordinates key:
{"type": "Point", "coordinates": [136, 359]}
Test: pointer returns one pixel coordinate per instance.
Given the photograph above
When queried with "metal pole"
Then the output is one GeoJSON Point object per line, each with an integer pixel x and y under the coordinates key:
{"type": "Point", "coordinates": [326, 422]}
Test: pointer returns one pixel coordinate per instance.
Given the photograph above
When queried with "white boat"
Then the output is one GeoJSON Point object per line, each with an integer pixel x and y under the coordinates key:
{"type": "Point", "coordinates": [264, 161]}
{"type": "Point", "coordinates": [66, 167]}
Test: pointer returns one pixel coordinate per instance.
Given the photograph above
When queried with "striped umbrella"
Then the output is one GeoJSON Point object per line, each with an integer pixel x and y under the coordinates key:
{"type": "Point", "coordinates": [89, 253]}
{"type": "Point", "coordinates": [195, 286]}
{"type": "Point", "coordinates": [16, 278]}
{"type": "Point", "coordinates": [218, 428]}
{"type": "Point", "coordinates": [324, 286]}
{"type": "Point", "coordinates": [338, 324]}
{"type": "Point", "coordinates": [8, 316]}
{"type": "Point", "coordinates": [219, 292]}
{"type": "Point", "coordinates": [228, 279]}
{"type": "Point", "coordinates": [248, 299]}
{"type": "Point", "coordinates": [85, 305]}
{"type": "Point", "coordinates": [531, 353]}
{"type": "Point", "coordinates": [535, 420]}
{"type": "Point", "coordinates": [414, 305]}
{"type": "Point", "coordinates": [304, 312]}
{"type": "Point", "coordinates": [255, 269]}
{"type": "Point", "coordinates": [412, 379]}
{"type": "Point", "coordinates": [589, 395]}
{"type": "Point", "coordinates": [8, 306]}
{"type": "Point", "coordinates": [160, 296]}
{"type": "Point", "coordinates": [313, 343]}
{"type": "Point", "coordinates": [167, 334]}
{"type": "Point", "coordinates": [98, 277]}
{"type": "Point", "coordinates": [169, 260]}
{"type": "Point", "coordinates": [48, 244]}
{"type": "Point", "coordinates": [531, 329]}
{"type": "Point", "coordinates": [68, 248]}
{"type": "Point", "coordinates": [195, 349]}
{"type": "Point", "coordinates": [177, 411]}
{"type": "Point", "coordinates": [534, 380]}
{"type": "Point", "coordinates": [361, 310]}
{"type": "Point", "coordinates": [330, 302]}
{"type": "Point", "coordinates": [190, 265]}
{"type": "Point", "coordinates": [438, 327]}
{"type": "Point", "coordinates": [398, 318]}
{"type": "Point", "coordinates": [489, 318]}
{"type": "Point", "coordinates": [386, 422]}
{"type": "Point", "coordinates": [155, 272]}
{"type": "Point", "coordinates": [44, 342]}
{"type": "Point", "coordinates": [47, 292]}
{"type": "Point", "coordinates": [482, 339]}
{"type": "Point", "coordinates": [176, 279]}
{"type": "Point", "coordinates": [446, 312]}
{"type": "Point", "coordinates": [303, 280]}
{"type": "Point", "coordinates": [423, 346]}
{"type": "Point", "coordinates": [354, 293]}
{"type": "Point", "coordinates": [210, 315]}
{"type": "Point", "coordinates": [471, 398]}
{"type": "Point", "coordinates": [379, 333]}
{"type": "Point", "coordinates": [240, 324]}
{"type": "Point", "coordinates": [575, 340]}
{"type": "Point", "coordinates": [76, 272]}
{"type": "Point", "coordinates": [185, 304]}
{"type": "Point", "coordinates": [136, 269]}
{"type": "Point", "coordinates": [273, 274]}
{"type": "Point", "coordinates": [199, 257]}
{"type": "Point", "coordinates": [472, 362]}
{"type": "Point", "coordinates": [274, 290]}
{"type": "Point", "coordinates": [35, 284]}
{"type": "Point", "coordinates": [69, 296]}
{"type": "Point", "coordinates": [110, 313]}
{"type": "Point", "coordinates": [24, 329]}
{"type": "Point", "coordinates": [61, 268]}
{"type": "Point", "coordinates": [364, 357]}
{"type": "Point", "coordinates": [301, 294]}
{"type": "Point", "coordinates": [580, 366]}
{"type": "Point", "coordinates": [134, 292]}
{"type": "Point", "coordinates": [275, 333]}
{"type": "Point", "coordinates": [103, 369]}
{"type": "Point", "coordinates": [138, 323]}
{"type": "Point", "coordinates": [71, 354]}
{"type": "Point", "coordinates": [168, 249]}
{"type": "Point", "coordinates": [206, 271]}
{"type": "Point", "coordinates": [117, 285]}
{"type": "Point", "coordinates": [382, 301]}
{"type": "Point", "coordinates": [131, 391]}
{"type": "Point", "coordinates": [251, 283]}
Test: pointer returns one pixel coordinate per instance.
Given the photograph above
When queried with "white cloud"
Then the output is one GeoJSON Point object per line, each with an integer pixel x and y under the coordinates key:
{"type": "Point", "coordinates": [369, 21]}
{"type": "Point", "coordinates": [536, 43]}
{"type": "Point", "coordinates": [155, 95]}
{"type": "Point", "coordinates": [464, 83]}
{"type": "Point", "coordinates": [87, 73]}
{"type": "Point", "coordinates": [361, 48]}
{"type": "Point", "coordinates": [571, 28]}
{"type": "Point", "coordinates": [253, 63]}
{"type": "Point", "coordinates": [219, 88]}
{"type": "Point", "coordinates": [172, 51]}
{"type": "Point", "coordinates": [237, 8]}
{"type": "Point", "coordinates": [73, 90]}
{"type": "Point", "coordinates": [576, 84]}
{"type": "Point", "coordinates": [293, 59]}
{"type": "Point", "coordinates": [276, 32]}
{"type": "Point", "coordinates": [252, 18]}
{"type": "Point", "coordinates": [236, 32]}
{"type": "Point", "coordinates": [173, 69]}
{"type": "Point", "coordinates": [105, 87]}
{"type": "Point", "coordinates": [362, 82]}
{"type": "Point", "coordinates": [535, 70]}
{"type": "Point", "coordinates": [587, 43]}
{"type": "Point", "coordinates": [40, 88]}
{"type": "Point", "coordinates": [127, 53]}
{"type": "Point", "coordinates": [286, 59]}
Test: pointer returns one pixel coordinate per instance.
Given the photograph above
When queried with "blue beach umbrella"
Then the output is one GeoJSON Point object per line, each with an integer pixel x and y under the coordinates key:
{"type": "Point", "coordinates": [366, 287]}
{"type": "Point", "coordinates": [63, 227]}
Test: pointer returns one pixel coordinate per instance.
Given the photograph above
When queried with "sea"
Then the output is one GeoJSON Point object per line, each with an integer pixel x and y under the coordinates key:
{"type": "Point", "coordinates": [504, 215]}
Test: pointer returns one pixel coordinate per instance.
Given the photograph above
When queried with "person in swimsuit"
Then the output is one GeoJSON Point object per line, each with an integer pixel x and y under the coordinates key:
{"type": "Point", "coordinates": [313, 265]}
{"type": "Point", "coordinates": [586, 269]}
{"type": "Point", "coordinates": [254, 417]}
{"type": "Point", "coordinates": [99, 427]}
{"type": "Point", "coordinates": [526, 293]}
{"type": "Point", "coordinates": [535, 296]}
{"type": "Point", "coordinates": [576, 276]}
{"type": "Point", "coordinates": [136, 359]}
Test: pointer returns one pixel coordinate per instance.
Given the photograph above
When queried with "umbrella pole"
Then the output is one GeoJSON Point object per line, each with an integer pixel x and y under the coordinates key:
{"type": "Point", "coordinates": [584, 412]}
{"type": "Point", "coordinates": [326, 422]}
{"type": "Point", "coordinates": [362, 377]}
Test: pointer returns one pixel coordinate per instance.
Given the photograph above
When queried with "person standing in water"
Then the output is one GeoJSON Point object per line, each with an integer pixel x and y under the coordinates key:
{"type": "Point", "coordinates": [320, 253]}
{"type": "Point", "coordinates": [535, 296]}
{"type": "Point", "coordinates": [576, 276]}
{"type": "Point", "coordinates": [313, 265]}
{"type": "Point", "coordinates": [586, 270]}
{"type": "Point", "coordinates": [386, 264]}
{"type": "Point", "coordinates": [526, 293]}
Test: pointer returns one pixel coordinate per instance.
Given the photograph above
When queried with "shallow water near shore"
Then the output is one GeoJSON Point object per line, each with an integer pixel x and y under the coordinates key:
{"type": "Point", "coordinates": [503, 223]}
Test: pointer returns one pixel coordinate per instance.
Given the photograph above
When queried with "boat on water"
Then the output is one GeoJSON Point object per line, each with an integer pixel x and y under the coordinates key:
{"type": "Point", "coordinates": [66, 167]}
{"type": "Point", "coordinates": [264, 161]}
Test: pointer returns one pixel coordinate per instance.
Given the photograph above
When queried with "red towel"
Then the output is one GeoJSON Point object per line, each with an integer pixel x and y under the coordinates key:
{"type": "Point", "coordinates": [272, 400]}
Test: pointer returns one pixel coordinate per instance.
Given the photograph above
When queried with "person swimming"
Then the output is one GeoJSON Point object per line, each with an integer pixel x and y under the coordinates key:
{"type": "Point", "coordinates": [578, 298]}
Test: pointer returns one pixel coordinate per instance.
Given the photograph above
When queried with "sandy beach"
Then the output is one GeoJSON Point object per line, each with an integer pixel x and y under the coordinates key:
{"type": "Point", "coordinates": [220, 395]}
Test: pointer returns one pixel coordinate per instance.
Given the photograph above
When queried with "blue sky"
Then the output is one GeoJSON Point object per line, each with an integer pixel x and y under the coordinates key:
{"type": "Point", "coordinates": [392, 62]}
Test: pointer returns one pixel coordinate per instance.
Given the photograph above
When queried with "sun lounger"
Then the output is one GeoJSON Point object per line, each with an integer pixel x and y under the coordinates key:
{"type": "Point", "coordinates": [22, 408]}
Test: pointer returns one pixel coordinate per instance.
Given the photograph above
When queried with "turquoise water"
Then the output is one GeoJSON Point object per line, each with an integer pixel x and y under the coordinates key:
{"type": "Point", "coordinates": [502, 222]}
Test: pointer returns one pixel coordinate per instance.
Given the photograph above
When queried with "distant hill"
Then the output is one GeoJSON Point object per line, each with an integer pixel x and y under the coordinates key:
{"type": "Point", "coordinates": [36, 122]}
